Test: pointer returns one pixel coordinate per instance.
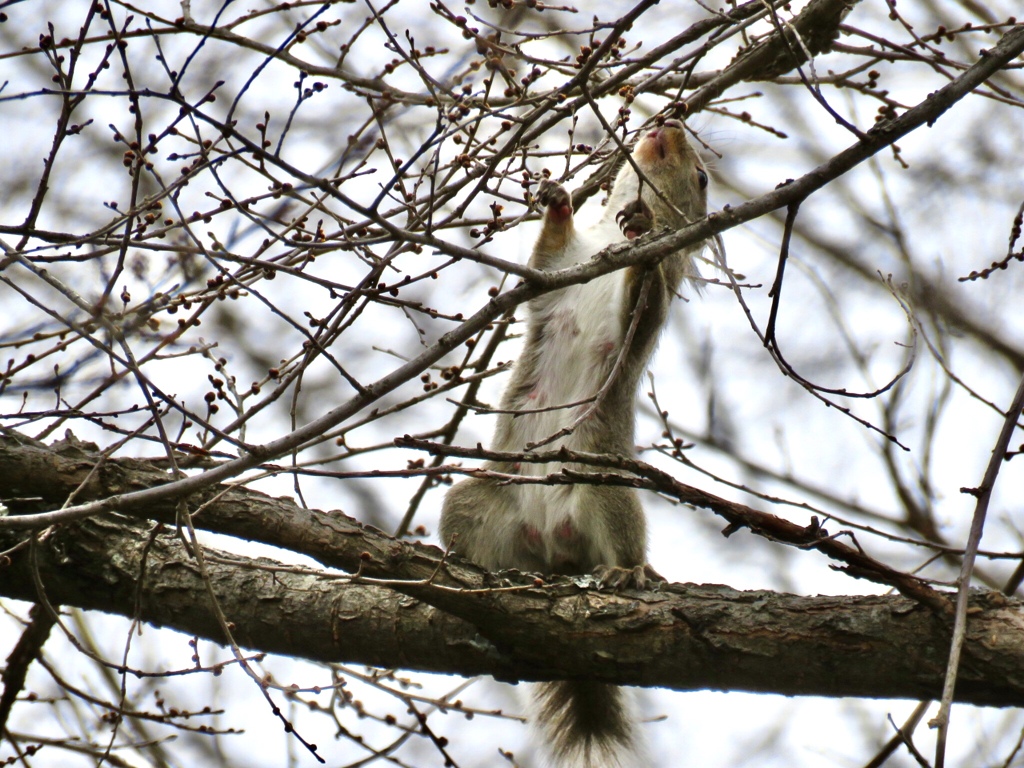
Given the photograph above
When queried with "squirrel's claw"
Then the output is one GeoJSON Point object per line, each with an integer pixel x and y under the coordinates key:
{"type": "Point", "coordinates": [635, 219]}
{"type": "Point", "coordinates": [638, 577]}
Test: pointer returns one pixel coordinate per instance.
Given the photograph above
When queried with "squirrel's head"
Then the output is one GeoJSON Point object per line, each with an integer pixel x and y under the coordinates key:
{"type": "Point", "coordinates": [669, 164]}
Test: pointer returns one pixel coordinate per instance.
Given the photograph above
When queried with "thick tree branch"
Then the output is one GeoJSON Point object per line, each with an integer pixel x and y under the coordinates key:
{"type": "Point", "coordinates": [684, 637]}
{"type": "Point", "coordinates": [466, 621]}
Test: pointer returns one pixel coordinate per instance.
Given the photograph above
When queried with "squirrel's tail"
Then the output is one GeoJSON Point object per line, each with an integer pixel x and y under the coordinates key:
{"type": "Point", "coordinates": [587, 725]}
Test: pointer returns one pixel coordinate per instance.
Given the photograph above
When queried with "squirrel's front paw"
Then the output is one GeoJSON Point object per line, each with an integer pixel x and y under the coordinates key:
{"type": "Point", "coordinates": [552, 194]}
{"type": "Point", "coordinates": [637, 577]}
{"type": "Point", "coordinates": [555, 200]}
{"type": "Point", "coordinates": [635, 219]}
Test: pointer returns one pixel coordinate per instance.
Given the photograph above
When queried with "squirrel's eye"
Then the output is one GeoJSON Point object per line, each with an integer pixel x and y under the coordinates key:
{"type": "Point", "coordinates": [702, 179]}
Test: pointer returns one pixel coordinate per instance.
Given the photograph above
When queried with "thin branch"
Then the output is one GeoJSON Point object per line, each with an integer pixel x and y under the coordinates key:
{"type": "Point", "coordinates": [983, 493]}
{"type": "Point", "coordinates": [538, 282]}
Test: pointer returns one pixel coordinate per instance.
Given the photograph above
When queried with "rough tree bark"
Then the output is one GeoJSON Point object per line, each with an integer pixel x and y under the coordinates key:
{"type": "Point", "coordinates": [409, 607]}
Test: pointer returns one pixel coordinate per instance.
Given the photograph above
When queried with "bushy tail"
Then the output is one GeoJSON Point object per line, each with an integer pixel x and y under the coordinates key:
{"type": "Point", "coordinates": [587, 725]}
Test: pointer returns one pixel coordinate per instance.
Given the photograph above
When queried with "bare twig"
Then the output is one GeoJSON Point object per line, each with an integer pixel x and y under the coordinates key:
{"type": "Point", "coordinates": [982, 493]}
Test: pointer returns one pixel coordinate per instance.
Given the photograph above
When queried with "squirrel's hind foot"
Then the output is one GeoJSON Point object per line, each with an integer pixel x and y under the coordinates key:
{"type": "Point", "coordinates": [638, 577]}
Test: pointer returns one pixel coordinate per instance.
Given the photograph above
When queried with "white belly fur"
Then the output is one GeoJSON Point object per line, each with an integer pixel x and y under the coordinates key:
{"type": "Point", "coordinates": [583, 334]}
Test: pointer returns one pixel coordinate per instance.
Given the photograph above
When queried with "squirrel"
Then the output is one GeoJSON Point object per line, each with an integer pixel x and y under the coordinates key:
{"type": "Point", "coordinates": [575, 385]}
